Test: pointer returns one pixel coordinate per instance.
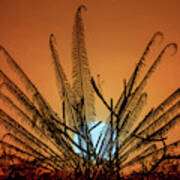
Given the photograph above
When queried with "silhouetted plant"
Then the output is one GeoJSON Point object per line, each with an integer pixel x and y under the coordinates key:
{"type": "Point", "coordinates": [36, 136]}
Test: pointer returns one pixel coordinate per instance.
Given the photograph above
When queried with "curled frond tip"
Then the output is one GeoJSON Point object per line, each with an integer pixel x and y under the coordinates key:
{"type": "Point", "coordinates": [82, 7]}
{"type": "Point", "coordinates": [171, 45]}
{"type": "Point", "coordinates": [52, 38]}
{"type": "Point", "coordinates": [160, 35]}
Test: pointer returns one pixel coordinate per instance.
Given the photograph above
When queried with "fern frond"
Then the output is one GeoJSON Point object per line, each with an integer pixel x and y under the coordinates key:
{"type": "Point", "coordinates": [21, 144]}
{"type": "Point", "coordinates": [150, 118]}
{"type": "Point", "coordinates": [49, 133]}
{"type": "Point", "coordinates": [142, 84]}
{"type": "Point", "coordinates": [21, 99]}
{"type": "Point", "coordinates": [164, 118]}
{"type": "Point", "coordinates": [64, 88]}
{"type": "Point", "coordinates": [159, 110]}
{"type": "Point", "coordinates": [133, 117]}
{"type": "Point", "coordinates": [155, 155]}
{"type": "Point", "coordinates": [166, 128]}
{"type": "Point", "coordinates": [81, 73]}
{"type": "Point", "coordinates": [140, 143]}
{"type": "Point", "coordinates": [129, 140]}
{"type": "Point", "coordinates": [31, 89]}
{"type": "Point", "coordinates": [9, 148]}
{"type": "Point", "coordinates": [147, 151]}
{"type": "Point", "coordinates": [138, 68]}
{"type": "Point", "coordinates": [19, 131]}
{"type": "Point", "coordinates": [137, 92]}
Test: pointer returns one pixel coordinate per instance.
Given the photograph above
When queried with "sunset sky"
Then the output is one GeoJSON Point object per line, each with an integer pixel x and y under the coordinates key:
{"type": "Point", "coordinates": [117, 33]}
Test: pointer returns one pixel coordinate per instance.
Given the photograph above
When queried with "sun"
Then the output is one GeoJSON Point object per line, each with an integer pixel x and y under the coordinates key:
{"type": "Point", "coordinates": [100, 135]}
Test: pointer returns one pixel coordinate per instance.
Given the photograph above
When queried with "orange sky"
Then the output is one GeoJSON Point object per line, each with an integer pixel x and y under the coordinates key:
{"type": "Point", "coordinates": [116, 34]}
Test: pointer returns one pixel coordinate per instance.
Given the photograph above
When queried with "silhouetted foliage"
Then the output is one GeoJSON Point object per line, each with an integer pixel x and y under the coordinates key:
{"type": "Point", "coordinates": [38, 144]}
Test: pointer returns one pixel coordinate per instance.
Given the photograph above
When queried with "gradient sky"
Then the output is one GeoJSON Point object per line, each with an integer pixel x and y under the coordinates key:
{"type": "Point", "coordinates": [116, 35]}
